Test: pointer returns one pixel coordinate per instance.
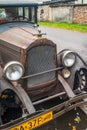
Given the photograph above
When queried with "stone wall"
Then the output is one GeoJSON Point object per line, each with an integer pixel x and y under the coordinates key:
{"type": "Point", "coordinates": [63, 13]}
{"type": "Point", "coordinates": [59, 13]}
{"type": "Point", "coordinates": [44, 13]}
{"type": "Point", "coordinates": [80, 14]}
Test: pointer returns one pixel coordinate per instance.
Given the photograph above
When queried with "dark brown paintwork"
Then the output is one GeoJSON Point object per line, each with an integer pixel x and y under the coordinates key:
{"type": "Point", "coordinates": [14, 45]}
{"type": "Point", "coordinates": [19, 40]}
{"type": "Point", "coordinates": [19, 36]}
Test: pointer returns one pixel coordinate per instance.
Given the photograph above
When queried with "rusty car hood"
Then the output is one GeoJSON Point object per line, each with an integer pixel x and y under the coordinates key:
{"type": "Point", "coordinates": [19, 36]}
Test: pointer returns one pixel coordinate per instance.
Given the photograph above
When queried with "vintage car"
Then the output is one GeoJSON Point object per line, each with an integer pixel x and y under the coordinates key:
{"type": "Point", "coordinates": [32, 73]}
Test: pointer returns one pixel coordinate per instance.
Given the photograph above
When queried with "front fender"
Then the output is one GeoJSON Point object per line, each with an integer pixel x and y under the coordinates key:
{"type": "Point", "coordinates": [79, 64]}
{"type": "Point", "coordinates": [1, 72]}
{"type": "Point", "coordinates": [21, 94]}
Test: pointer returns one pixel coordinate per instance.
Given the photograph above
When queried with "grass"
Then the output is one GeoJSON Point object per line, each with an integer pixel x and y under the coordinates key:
{"type": "Point", "coordinates": [68, 26]}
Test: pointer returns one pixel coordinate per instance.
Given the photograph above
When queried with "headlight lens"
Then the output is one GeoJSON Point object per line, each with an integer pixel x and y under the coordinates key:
{"type": "Point", "coordinates": [68, 59]}
{"type": "Point", "coordinates": [13, 70]}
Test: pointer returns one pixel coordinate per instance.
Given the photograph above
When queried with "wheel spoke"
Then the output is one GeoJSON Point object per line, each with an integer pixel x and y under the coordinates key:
{"type": "Point", "coordinates": [82, 86]}
{"type": "Point", "coordinates": [81, 74]}
{"type": "Point", "coordinates": [83, 80]}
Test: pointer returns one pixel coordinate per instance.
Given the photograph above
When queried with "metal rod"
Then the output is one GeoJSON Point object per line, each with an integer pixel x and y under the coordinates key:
{"type": "Point", "coordinates": [29, 76]}
{"type": "Point", "coordinates": [48, 98]}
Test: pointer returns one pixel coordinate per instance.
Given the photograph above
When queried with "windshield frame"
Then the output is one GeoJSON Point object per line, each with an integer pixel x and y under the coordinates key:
{"type": "Point", "coordinates": [23, 6]}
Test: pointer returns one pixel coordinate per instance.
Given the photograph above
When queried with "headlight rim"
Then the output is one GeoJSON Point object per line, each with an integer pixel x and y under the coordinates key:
{"type": "Point", "coordinates": [13, 63]}
{"type": "Point", "coordinates": [65, 54]}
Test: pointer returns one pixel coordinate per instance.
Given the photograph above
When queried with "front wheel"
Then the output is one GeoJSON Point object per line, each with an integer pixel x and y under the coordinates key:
{"type": "Point", "coordinates": [80, 80]}
{"type": "Point", "coordinates": [10, 106]}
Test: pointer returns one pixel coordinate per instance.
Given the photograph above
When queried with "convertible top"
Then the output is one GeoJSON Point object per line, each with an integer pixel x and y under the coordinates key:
{"type": "Point", "coordinates": [18, 2]}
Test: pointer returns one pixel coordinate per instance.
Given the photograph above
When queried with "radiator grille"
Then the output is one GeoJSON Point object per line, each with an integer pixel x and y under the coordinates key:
{"type": "Point", "coordinates": [41, 59]}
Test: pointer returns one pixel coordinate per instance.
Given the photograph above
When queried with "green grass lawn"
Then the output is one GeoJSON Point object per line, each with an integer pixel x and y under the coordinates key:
{"type": "Point", "coordinates": [69, 26]}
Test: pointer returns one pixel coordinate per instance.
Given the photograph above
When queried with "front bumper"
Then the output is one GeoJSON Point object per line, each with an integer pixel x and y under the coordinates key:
{"type": "Point", "coordinates": [39, 118]}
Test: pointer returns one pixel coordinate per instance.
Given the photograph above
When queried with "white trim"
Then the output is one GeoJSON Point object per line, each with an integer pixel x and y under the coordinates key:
{"type": "Point", "coordinates": [11, 2]}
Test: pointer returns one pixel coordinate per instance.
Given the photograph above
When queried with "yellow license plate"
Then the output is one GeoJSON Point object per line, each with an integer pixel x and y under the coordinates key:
{"type": "Point", "coordinates": [35, 122]}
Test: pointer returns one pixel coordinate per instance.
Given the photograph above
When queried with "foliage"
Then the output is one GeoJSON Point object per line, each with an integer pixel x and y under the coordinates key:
{"type": "Point", "coordinates": [1, 10]}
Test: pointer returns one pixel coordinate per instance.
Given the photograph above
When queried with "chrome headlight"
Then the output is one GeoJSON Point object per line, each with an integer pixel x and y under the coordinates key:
{"type": "Point", "coordinates": [13, 70]}
{"type": "Point", "coordinates": [68, 59]}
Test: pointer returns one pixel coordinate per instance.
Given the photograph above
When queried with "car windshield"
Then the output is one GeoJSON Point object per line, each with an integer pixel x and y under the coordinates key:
{"type": "Point", "coordinates": [9, 14]}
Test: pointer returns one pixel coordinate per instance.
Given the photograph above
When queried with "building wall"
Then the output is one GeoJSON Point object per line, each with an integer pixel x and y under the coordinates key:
{"type": "Point", "coordinates": [80, 14]}
{"type": "Point", "coordinates": [44, 13]}
{"type": "Point", "coordinates": [61, 14]}
{"type": "Point", "coordinates": [81, 2]}
{"type": "Point", "coordinates": [66, 13]}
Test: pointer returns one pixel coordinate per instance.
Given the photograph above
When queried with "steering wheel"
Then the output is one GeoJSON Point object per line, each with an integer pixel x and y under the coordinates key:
{"type": "Point", "coordinates": [21, 18]}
